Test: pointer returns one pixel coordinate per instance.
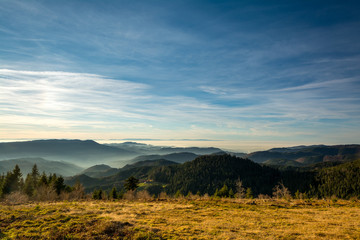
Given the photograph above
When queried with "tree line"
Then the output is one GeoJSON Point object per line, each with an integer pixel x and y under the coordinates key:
{"type": "Point", "coordinates": [38, 186]}
{"type": "Point", "coordinates": [213, 175]}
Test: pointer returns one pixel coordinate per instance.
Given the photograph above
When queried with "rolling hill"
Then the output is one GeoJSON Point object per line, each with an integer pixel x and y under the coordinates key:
{"type": "Point", "coordinates": [103, 180]}
{"type": "Point", "coordinates": [99, 171]}
{"type": "Point", "coordinates": [175, 157]}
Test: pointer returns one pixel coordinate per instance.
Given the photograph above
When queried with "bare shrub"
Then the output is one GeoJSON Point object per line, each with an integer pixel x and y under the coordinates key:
{"type": "Point", "coordinates": [163, 195]}
{"type": "Point", "coordinates": [78, 192]}
{"type": "Point", "coordinates": [205, 196]}
{"type": "Point", "coordinates": [64, 196]}
{"type": "Point", "coordinates": [129, 195]}
{"type": "Point", "coordinates": [45, 193]}
{"type": "Point", "coordinates": [143, 195]}
{"type": "Point", "coordinates": [240, 190]}
{"type": "Point", "coordinates": [190, 196]}
{"type": "Point", "coordinates": [263, 196]}
{"type": "Point", "coordinates": [281, 192]}
{"type": "Point", "coordinates": [16, 198]}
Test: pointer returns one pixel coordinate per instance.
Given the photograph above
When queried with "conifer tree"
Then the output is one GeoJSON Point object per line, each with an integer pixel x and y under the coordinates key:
{"type": "Point", "coordinates": [12, 181]}
{"type": "Point", "coordinates": [131, 183]}
{"type": "Point", "coordinates": [224, 191]}
{"type": "Point", "coordinates": [43, 180]}
{"type": "Point", "coordinates": [249, 193]}
{"type": "Point", "coordinates": [28, 186]}
{"type": "Point", "coordinates": [59, 185]}
{"type": "Point", "coordinates": [113, 193]}
{"type": "Point", "coordinates": [231, 193]}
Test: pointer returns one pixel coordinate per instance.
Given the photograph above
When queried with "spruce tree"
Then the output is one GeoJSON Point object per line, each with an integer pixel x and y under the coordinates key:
{"type": "Point", "coordinates": [113, 193]}
{"type": "Point", "coordinates": [131, 183]}
{"type": "Point", "coordinates": [249, 193]}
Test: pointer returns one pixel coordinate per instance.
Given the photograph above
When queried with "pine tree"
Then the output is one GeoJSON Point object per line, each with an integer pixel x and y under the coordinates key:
{"type": "Point", "coordinates": [16, 179]}
{"type": "Point", "coordinates": [249, 193]}
{"type": "Point", "coordinates": [97, 194]}
{"type": "Point", "coordinates": [12, 181]}
{"type": "Point", "coordinates": [59, 185]}
{"type": "Point", "coordinates": [113, 193]}
{"type": "Point", "coordinates": [224, 191]}
{"type": "Point", "coordinates": [28, 186]}
{"type": "Point", "coordinates": [43, 180]}
{"type": "Point", "coordinates": [131, 183]}
{"type": "Point", "coordinates": [231, 193]}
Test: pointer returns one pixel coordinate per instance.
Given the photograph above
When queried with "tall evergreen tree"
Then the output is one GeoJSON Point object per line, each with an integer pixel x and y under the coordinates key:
{"type": "Point", "coordinates": [29, 186]}
{"type": "Point", "coordinates": [35, 175]}
{"type": "Point", "coordinates": [131, 183]}
{"type": "Point", "coordinates": [43, 180]}
{"type": "Point", "coordinates": [113, 193]}
{"type": "Point", "coordinates": [59, 185]}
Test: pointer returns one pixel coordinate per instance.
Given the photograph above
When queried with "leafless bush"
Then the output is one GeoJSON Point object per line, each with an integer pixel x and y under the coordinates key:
{"type": "Point", "coordinates": [16, 198]}
{"type": "Point", "coordinates": [240, 190]}
{"type": "Point", "coordinates": [78, 192]}
{"type": "Point", "coordinates": [205, 196]}
{"type": "Point", "coordinates": [263, 196]}
{"type": "Point", "coordinates": [143, 195]}
{"type": "Point", "coordinates": [163, 195]}
{"type": "Point", "coordinates": [191, 196]}
{"type": "Point", "coordinates": [129, 195]}
{"type": "Point", "coordinates": [45, 193]}
{"type": "Point", "coordinates": [281, 192]}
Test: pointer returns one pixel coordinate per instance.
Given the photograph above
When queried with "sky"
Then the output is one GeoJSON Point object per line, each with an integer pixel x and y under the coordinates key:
{"type": "Point", "coordinates": [240, 75]}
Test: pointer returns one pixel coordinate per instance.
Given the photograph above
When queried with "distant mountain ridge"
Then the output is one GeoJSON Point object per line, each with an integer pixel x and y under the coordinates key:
{"type": "Point", "coordinates": [43, 165]}
{"type": "Point", "coordinates": [83, 153]}
{"type": "Point", "coordinates": [306, 155]}
{"type": "Point", "coordinates": [147, 149]}
{"type": "Point", "coordinates": [86, 153]}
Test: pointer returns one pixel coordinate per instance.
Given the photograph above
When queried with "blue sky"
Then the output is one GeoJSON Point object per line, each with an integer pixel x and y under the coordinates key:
{"type": "Point", "coordinates": [242, 75]}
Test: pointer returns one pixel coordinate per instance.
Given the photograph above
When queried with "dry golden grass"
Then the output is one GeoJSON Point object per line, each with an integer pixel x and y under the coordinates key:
{"type": "Point", "coordinates": [183, 219]}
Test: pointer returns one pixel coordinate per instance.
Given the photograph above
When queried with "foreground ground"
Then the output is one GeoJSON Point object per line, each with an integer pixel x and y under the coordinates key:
{"type": "Point", "coordinates": [182, 219]}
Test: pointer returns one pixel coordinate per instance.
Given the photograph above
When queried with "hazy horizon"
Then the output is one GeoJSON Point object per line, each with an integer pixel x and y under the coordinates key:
{"type": "Point", "coordinates": [245, 147]}
{"type": "Point", "coordinates": [238, 75]}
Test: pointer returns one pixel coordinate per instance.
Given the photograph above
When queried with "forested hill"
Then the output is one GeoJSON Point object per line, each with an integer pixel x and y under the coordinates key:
{"type": "Point", "coordinates": [306, 155]}
{"type": "Point", "coordinates": [210, 172]}
{"type": "Point", "coordinates": [342, 181]}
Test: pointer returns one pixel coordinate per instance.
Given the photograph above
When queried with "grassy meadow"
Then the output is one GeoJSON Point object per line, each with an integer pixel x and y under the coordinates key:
{"type": "Point", "coordinates": [182, 219]}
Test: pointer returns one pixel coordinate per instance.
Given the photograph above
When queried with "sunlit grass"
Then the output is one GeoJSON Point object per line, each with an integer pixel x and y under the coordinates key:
{"type": "Point", "coordinates": [183, 219]}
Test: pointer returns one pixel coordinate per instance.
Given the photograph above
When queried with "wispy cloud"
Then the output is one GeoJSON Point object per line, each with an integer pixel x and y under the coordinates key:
{"type": "Point", "coordinates": [179, 70]}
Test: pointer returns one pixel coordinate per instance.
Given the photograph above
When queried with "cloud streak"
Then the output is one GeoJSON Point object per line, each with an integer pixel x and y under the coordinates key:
{"type": "Point", "coordinates": [180, 70]}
